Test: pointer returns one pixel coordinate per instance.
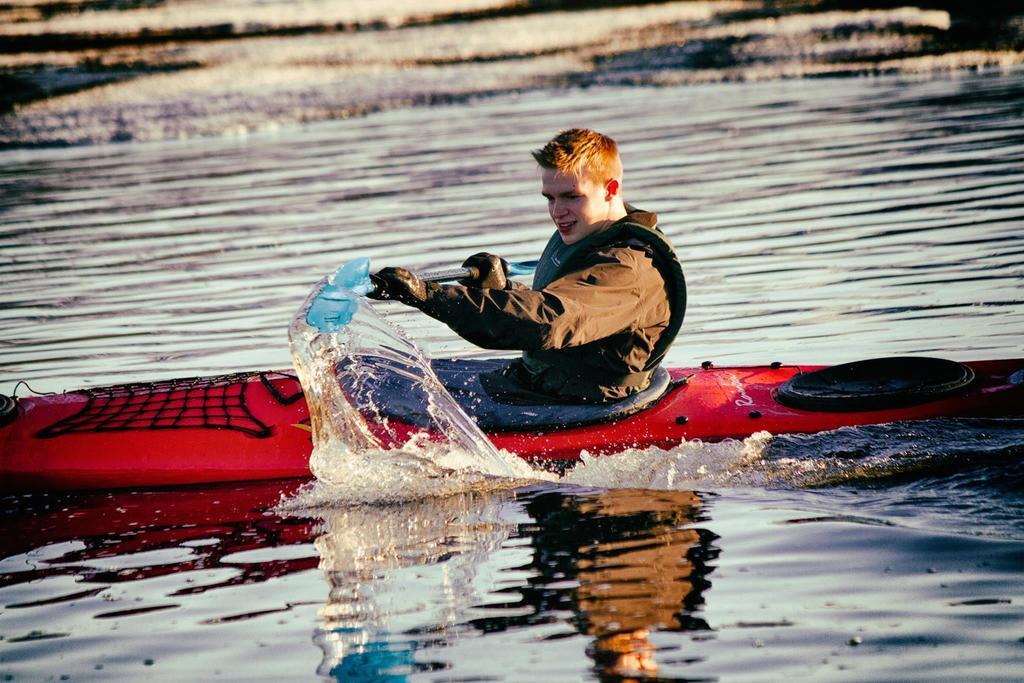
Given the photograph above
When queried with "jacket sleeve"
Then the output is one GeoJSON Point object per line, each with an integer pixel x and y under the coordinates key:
{"type": "Point", "coordinates": [601, 299]}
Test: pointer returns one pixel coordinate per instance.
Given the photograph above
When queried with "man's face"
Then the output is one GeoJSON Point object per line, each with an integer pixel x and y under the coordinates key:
{"type": "Point", "coordinates": [579, 207]}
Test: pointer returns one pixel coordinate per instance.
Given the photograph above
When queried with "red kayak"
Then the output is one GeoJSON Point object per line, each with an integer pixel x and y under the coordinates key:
{"type": "Point", "coordinates": [256, 426]}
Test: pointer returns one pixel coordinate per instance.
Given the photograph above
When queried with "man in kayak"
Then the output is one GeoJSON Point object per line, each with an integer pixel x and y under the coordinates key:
{"type": "Point", "coordinates": [608, 295]}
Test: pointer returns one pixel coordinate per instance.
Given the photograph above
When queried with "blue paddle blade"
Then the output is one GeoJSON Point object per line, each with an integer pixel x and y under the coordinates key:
{"type": "Point", "coordinates": [354, 276]}
{"type": "Point", "coordinates": [337, 303]}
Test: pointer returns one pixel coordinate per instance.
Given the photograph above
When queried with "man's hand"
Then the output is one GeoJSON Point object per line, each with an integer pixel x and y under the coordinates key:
{"type": "Point", "coordinates": [491, 271]}
{"type": "Point", "coordinates": [399, 284]}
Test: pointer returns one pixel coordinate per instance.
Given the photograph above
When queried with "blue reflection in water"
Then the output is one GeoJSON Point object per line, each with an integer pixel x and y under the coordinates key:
{"type": "Point", "coordinates": [384, 660]}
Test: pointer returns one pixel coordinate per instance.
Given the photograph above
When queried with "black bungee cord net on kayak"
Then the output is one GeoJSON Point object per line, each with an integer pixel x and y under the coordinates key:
{"type": "Point", "coordinates": [200, 402]}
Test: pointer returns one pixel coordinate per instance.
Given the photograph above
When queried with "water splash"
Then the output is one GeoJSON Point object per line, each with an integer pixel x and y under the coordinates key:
{"type": "Point", "coordinates": [690, 465]}
{"type": "Point", "coordinates": [360, 455]}
{"type": "Point", "coordinates": [919, 451]}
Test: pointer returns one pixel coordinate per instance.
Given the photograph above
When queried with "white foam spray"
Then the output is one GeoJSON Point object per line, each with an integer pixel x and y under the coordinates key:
{"type": "Point", "coordinates": [690, 465]}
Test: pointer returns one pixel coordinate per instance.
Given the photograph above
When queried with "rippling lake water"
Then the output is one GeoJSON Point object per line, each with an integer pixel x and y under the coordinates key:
{"type": "Point", "coordinates": [819, 221]}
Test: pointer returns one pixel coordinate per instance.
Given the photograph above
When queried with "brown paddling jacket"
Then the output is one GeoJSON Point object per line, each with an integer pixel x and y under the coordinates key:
{"type": "Point", "coordinates": [596, 323]}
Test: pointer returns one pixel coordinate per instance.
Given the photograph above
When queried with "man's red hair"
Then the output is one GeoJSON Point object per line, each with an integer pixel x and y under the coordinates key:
{"type": "Point", "coordinates": [580, 151]}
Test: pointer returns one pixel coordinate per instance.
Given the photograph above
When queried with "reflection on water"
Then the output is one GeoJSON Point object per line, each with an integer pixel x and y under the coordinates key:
{"type": "Point", "coordinates": [140, 583]}
{"type": "Point", "coordinates": [637, 563]}
{"type": "Point", "coordinates": [544, 583]}
{"type": "Point", "coordinates": [396, 589]}
{"type": "Point", "coordinates": [401, 569]}
{"type": "Point", "coordinates": [132, 536]}
{"type": "Point", "coordinates": [613, 565]}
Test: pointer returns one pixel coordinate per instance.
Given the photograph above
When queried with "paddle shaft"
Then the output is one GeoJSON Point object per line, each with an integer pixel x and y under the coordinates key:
{"type": "Point", "coordinates": [448, 274]}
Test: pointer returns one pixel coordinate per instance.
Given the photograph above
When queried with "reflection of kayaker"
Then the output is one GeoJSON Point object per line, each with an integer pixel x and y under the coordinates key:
{"type": "Point", "coordinates": [607, 300]}
{"type": "Point", "coordinates": [624, 563]}
{"type": "Point", "coordinates": [633, 581]}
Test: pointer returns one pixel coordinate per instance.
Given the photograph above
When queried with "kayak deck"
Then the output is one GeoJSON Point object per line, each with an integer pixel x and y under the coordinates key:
{"type": "Point", "coordinates": [714, 404]}
{"type": "Point", "coordinates": [256, 425]}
